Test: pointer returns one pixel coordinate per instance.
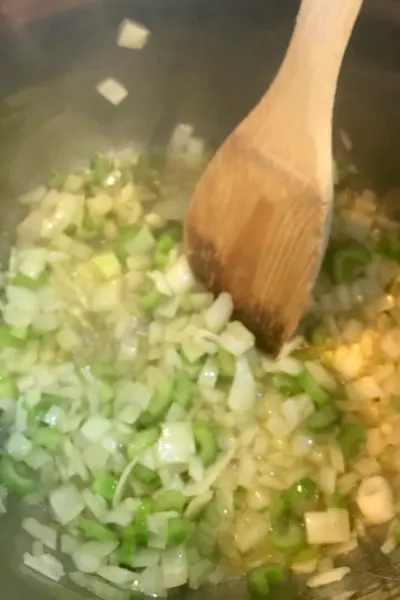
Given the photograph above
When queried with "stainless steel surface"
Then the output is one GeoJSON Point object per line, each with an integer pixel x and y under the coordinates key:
{"type": "Point", "coordinates": [207, 62]}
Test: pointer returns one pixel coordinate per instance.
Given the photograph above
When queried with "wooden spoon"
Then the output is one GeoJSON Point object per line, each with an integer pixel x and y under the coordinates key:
{"type": "Point", "coordinates": [258, 222]}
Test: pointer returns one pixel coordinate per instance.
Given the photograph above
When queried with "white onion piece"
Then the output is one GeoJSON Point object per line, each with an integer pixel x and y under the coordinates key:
{"type": "Point", "coordinates": [174, 567]}
{"type": "Point", "coordinates": [66, 503]}
{"type": "Point", "coordinates": [331, 526]}
{"type": "Point", "coordinates": [96, 504]}
{"type": "Point", "coordinates": [95, 428]}
{"type": "Point", "coordinates": [327, 578]}
{"type": "Point", "coordinates": [46, 565]}
{"type": "Point", "coordinates": [236, 338]}
{"type": "Point", "coordinates": [89, 556]}
{"type": "Point", "coordinates": [176, 444]}
{"type": "Point", "coordinates": [375, 500]}
{"type": "Point", "coordinates": [132, 35]}
{"type": "Point", "coordinates": [112, 90]}
{"type": "Point", "coordinates": [242, 394]}
{"type": "Point", "coordinates": [44, 533]}
{"type": "Point", "coordinates": [219, 313]}
{"type": "Point", "coordinates": [116, 575]}
{"type": "Point", "coordinates": [180, 277]}
{"type": "Point", "coordinates": [18, 446]}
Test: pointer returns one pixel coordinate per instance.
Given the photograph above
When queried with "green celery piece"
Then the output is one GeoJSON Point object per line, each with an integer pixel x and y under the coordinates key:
{"type": "Point", "coordinates": [396, 532]}
{"type": "Point", "coordinates": [57, 179]}
{"type": "Point", "coordinates": [206, 442]}
{"type": "Point", "coordinates": [396, 402]}
{"type": "Point", "coordinates": [290, 539]}
{"type": "Point", "coordinates": [106, 391]}
{"type": "Point", "coordinates": [146, 171]}
{"type": "Point", "coordinates": [96, 531]}
{"type": "Point", "coordinates": [149, 301]}
{"type": "Point", "coordinates": [104, 484]}
{"type": "Point", "coordinates": [8, 387]}
{"type": "Point", "coordinates": [140, 523]}
{"type": "Point", "coordinates": [389, 245]}
{"type": "Point", "coordinates": [48, 437]}
{"type": "Point", "coordinates": [168, 500]}
{"type": "Point", "coordinates": [352, 438]}
{"type": "Point", "coordinates": [87, 222]}
{"type": "Point", "coordinates": [346, 261]}
{"type": "Point", "coordinates": [306, 555]}
{"type": "Point", "coordinates": [286, 384]}
{"type": "Point", "coordinates": [142, 440]}
{"type": "Point", "coordinates": [16, 477]}
{"type": "Point", "coordinates": [212, 513]}
{"type": "Point", "coordinates": [336, 500]}
{"type": "Point", "coordinates": [183, 390]}
{"type": "Point", "coordinates": [312, 388]}
{"type": "Point", "coordinates": [324, 418]}
{"type": "Point", "coordinates": [319, 335]}
{"type": "Point", "coordinates": [164, 245]}
{"type": "Point", "coordinates": [178, 530]}
{"type": "Point", "coordinates": [205, 544]}
{"type": "Point", "coordinates": [31, 283]}
{"type": "Point", "coordinates": [226, 363]}
{"type": "Point", "coordinates": [8, 340]}
{"type": "Point", "coordinates": [37, 413]}
{"type": "Point", "coordinates": [101, 166]}
{"type": "Point", "coordinates": [125, 236]}
{"type": "Point", "coordinates": [127, 548]}
{"type": "Point", "coordinates": [302, 496]}
{"type": "Point", "coordinates": [261, 579]}
{"type": "Point", "coordinates": [146, 476]}
{"type": "Point", "coordinates": [159, 404]}
{"type": "Point", "coordinates": [104, 371]}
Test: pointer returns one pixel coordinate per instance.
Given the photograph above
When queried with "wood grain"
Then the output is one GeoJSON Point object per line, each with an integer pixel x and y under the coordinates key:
{"type": "Point", "coordinates": [258, 220]}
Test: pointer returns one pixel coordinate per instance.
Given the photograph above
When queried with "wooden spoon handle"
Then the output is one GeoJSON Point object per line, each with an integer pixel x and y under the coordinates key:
{"type": "Point", "coordinates": [316, 51]}
{"type": "Point", "coordinates": [302, 94]}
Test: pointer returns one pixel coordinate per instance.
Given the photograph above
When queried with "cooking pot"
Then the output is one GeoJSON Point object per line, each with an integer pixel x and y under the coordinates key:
{"type": "Point", "coordinates": [206, 63]}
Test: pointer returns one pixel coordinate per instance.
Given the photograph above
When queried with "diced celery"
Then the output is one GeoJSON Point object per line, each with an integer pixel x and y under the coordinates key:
{"type": "Point", "coordinates": [128, 546]}
{"type": "Point", "coordinates": [324, 418]}
{"type": "Point", "coordinates": [302, 496]}
{"type": "Point", "coordinates": [148, 302]}
{"type": "Point", "coordinates": [206, 442]}
{"type": "Point", "coordinates": [8, 340]}
{"type": "Point", "coordinates": [164, 245]}
{"type": "Point", "coordinates": [108, 264]}
{"type": "Point", "coordinates": [312, 388]}
{"type": "Point", "coordinates": [289, 539]}
{"type": "Point", "coordinates": [104, 484]}
{"type": "Point", "coordinates": [178, 530]}
{"type": "Point", "coordinates": [31, 283]}
{"type": "Point", "coordinates": [146, 476]}
{"type": "Point", "coordinates": [167, 500]}
{"type": "Point", "coordinates": [260, 579]}
{"type": "Point", "coordinates": [159, 404]}
{"type": "Point", "coordinates": [352, 438]}
{"type": "Point", "coordinates": [16, 477]}
{"type": "Point", "coordinates": [142, 440]}
{"type": "Point", "coordinates": [226, 363]}
{"type": "Point", "coordinates": [48, 437]}
{"type": "Point", "coordinates": [101, 167]}
{"type": "Point", "coordinates": [140, 523]}
{"type": "Point", "coordinates": [183, 390]}
{"type": "Point", "coordinates": [87, 223]}
{"type": "Point", "coordinates": [96, 531]}
{"type": "Point", "coordinates": [8, 387]}
{"type": "Point", "coordinates": [125, 236]}
{"type": "Point", "coordinates": [286, 384]}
